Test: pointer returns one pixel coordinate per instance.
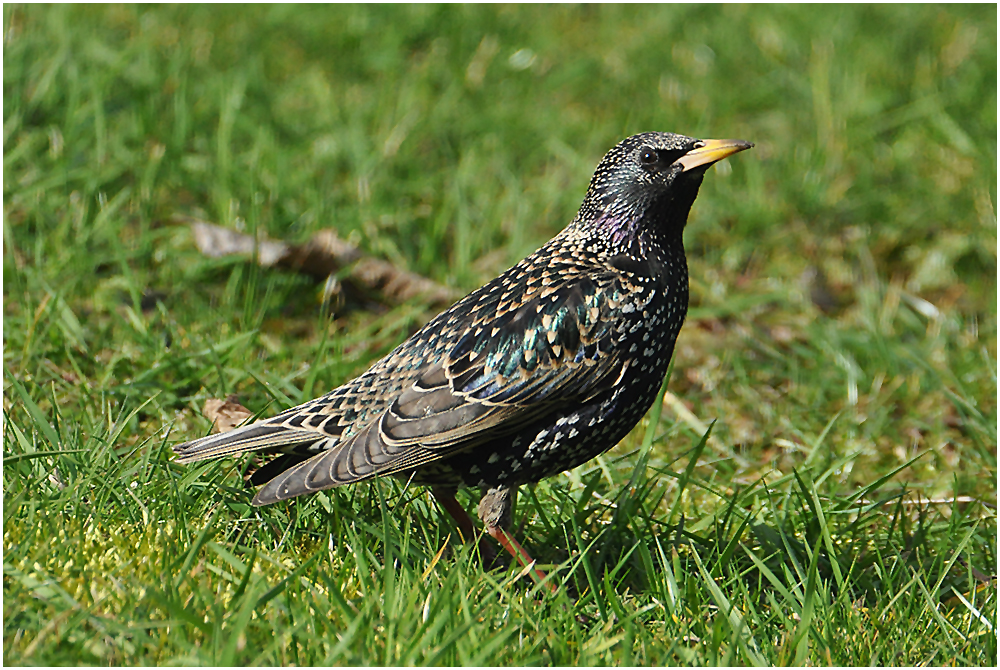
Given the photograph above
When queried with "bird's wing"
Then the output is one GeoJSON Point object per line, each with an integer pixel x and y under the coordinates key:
{"type": "Point", "coordinates": [558, 349]}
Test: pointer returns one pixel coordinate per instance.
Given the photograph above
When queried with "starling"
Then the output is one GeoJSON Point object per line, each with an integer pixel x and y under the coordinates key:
{"type": "Point", "coordinates": [540, 370]}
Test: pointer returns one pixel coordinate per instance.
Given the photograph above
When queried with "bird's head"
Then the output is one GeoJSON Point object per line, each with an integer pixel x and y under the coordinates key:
{"type": "Point", "coordinates": [651, 179]}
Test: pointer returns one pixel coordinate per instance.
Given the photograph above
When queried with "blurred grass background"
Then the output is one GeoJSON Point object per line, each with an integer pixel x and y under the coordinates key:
{"type": "Point", "coordinates": [842, 328]}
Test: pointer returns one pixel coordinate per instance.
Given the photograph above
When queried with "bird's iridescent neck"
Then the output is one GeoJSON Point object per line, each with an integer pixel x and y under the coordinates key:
{"type": "Point", "coordinates": [624, 218]}
{"type": "Point", "coordinates": [634, 228]}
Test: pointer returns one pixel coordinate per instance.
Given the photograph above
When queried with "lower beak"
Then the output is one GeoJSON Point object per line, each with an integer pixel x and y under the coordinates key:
{"type": "Point", "coordinates": [711, 151]}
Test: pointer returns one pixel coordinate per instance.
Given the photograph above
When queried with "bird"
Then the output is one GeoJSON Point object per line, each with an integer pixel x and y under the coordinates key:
{"type": "Point", "coordinates": [538, 371]}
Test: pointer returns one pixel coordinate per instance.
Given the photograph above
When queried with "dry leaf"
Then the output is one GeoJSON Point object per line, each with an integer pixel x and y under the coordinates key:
{"type": "Point", "coordinates": [226, 414]}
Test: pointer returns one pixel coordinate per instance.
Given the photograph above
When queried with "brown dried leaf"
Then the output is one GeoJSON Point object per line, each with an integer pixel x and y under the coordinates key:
{"type": "Point", "coordinates": [226, 414]}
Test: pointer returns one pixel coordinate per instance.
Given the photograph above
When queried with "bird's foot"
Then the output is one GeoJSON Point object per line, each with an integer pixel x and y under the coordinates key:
{"type": "Point", "coordinates": [517, 551]}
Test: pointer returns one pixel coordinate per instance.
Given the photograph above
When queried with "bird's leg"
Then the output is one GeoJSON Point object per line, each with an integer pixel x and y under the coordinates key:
{"type": "Point", "coordinates": [496, 509]}
{"type": "Point", "coordinates": [446, 497]}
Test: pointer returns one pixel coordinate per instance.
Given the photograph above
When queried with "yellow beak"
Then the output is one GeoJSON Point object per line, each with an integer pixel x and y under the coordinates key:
{"type": "Point", "coordinates": [712, 151]}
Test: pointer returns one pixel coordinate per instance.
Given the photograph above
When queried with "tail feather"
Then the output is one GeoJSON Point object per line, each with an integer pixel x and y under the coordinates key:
{"type": "Point", "coordinates": [275, 467]}
{"type": "Point", "coordinates": [255, 437]}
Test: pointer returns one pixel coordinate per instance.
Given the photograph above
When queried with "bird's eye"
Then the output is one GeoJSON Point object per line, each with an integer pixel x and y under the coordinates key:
{"type": "Point", "coordinates": [648, 156]}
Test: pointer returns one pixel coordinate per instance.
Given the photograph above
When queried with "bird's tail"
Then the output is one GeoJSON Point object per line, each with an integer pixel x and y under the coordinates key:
{"type": "Point", "coordinates": [255, 437]}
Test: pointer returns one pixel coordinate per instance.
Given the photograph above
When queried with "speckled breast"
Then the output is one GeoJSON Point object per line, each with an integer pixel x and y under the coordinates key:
{"type": "Point", "coordinates": [574, 435]}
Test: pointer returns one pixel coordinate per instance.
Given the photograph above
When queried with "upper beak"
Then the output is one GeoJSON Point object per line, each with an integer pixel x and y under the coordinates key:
{"type": "Point", "coordinates": [712, 151]}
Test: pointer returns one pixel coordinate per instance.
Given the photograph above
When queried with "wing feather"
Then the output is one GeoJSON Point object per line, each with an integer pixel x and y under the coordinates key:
{"type": "Point", "coordinates": [556, 350]}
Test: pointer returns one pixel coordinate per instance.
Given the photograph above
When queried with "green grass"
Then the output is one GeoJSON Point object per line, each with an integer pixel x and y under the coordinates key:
{"type": "Point", "coordinates": [842, 331]}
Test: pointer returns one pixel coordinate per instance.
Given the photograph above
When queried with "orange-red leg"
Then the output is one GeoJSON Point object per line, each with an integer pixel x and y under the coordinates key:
{"type": "Point", "coordinates": [517, 551]}
{"type": "Point", "coordinates": [465, 526]}
{"type": "Point", "coordinates": [495, 509]}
